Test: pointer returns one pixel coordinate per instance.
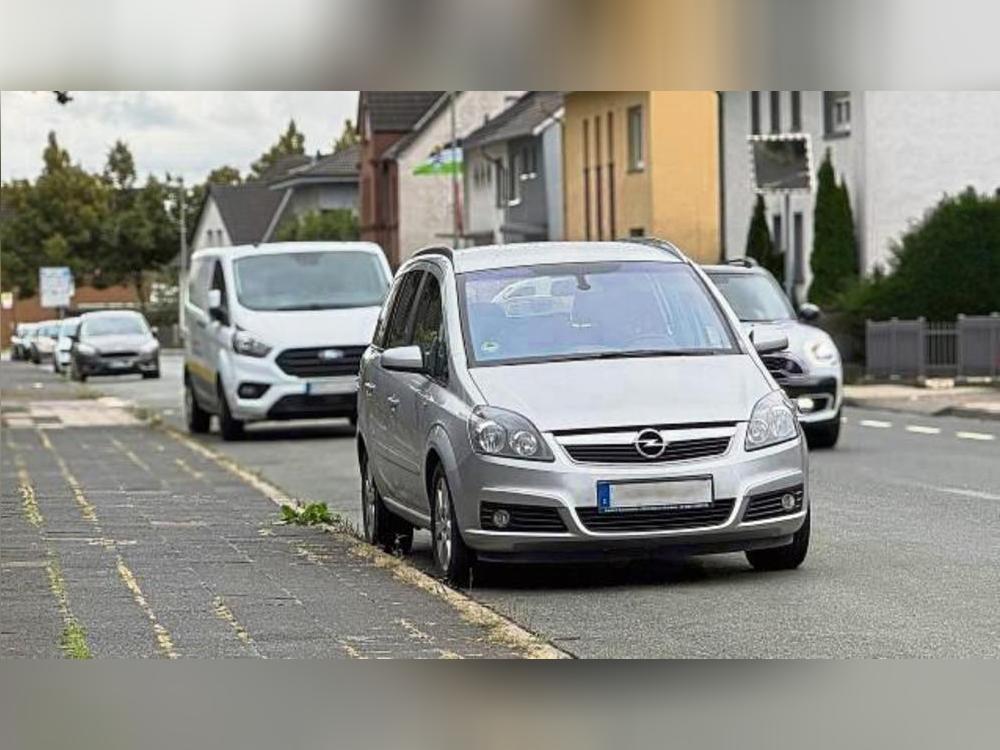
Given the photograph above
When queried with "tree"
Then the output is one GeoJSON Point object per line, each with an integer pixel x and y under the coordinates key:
{"type": "Point", "coordinates": [224, 175]}
{"type": "Point", "coordinates": [291, 143]}
{"type": "Point", "coordinates": [348, 136]}
{"type": "Point", "coordinates": [834, 259]}
{"type": "Point", "coordinates": [760, 246]}
{"type": "Point", "coordinates": [338, 224]}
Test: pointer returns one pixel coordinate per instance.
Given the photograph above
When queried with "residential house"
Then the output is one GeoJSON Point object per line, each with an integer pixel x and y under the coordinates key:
{"type": "Point", "coordinates": [643, 163]}
{"type": "Point", "coordinates": [324, 184]}
{"type": "Point", "coordinates": [512, 171]}
{"type": "Point", "coordinates": [898, 152]}
{"type": "Point", "coordinates": [408, 197]}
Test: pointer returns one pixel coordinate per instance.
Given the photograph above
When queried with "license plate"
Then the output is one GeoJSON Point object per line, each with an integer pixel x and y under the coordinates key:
{"type": "Point", "coordinates": [120, 364]}
{"type": "Point", "coordinates": [331, 387]}
{"type": "Point", "coordinates": [615, 497]}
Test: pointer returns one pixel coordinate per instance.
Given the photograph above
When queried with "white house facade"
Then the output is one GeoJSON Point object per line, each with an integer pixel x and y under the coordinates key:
{"type": "Point", "coordinates": [898, 152]}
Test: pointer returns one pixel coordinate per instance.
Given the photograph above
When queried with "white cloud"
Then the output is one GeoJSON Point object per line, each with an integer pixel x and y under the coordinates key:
{"type": "Point", "coordinates": [181, 132]}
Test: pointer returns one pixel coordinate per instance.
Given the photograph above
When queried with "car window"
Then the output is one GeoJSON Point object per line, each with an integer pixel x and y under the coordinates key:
{"type": "Point", "coordinates": [402, 305]}
{"type": "Point", "coordinates": [754, 297]}
{"type": "Point", "coordinates": [197, 289]}
{"type": "Point", "coordinates": [113, 325]}
{"type": "Point", "coordinates": [616, 309]}
{"type": "Point", "coordinates": [219, 282]}
{"type": "Point", "coordinates": [427, 326]}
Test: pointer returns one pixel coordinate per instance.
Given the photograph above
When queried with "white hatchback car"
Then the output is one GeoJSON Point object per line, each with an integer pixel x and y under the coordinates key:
{"type": "Point", "coordinates": [276, 331]}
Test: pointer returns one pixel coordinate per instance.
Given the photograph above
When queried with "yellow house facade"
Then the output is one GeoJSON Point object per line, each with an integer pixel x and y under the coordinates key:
{"type": "Point", "coordinates": [643, 163]}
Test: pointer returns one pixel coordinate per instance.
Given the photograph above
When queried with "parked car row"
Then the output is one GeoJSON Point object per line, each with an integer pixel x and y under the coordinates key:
{"type": "Point", "coordinates": [536, 400]}
{"type": "Point", "coordinates": [107, 342]}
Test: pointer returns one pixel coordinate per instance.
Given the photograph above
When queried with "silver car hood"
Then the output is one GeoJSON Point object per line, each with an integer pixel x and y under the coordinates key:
{"type": "Point", "coordinates": [589, 394]}
{"type": "Point", "coordinates": [119, 342]}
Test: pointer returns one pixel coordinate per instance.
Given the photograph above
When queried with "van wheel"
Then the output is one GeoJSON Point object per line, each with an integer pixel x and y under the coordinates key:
{"type": "Point", "coordinates": [788, 557]}
{"type": "Point", "coordinates": [197, 418]}
{"type": "Point", "coordinates": [231, 429]}
{"type": "Point", "coordinates": [452, 558]}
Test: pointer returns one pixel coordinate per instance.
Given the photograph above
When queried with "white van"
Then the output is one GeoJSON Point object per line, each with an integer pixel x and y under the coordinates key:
{"type": "Point", "coordinates": [276, 331]}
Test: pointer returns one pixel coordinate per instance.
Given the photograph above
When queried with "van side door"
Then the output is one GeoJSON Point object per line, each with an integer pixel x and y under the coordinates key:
{"type": "Point", "coordinates": [197, 359]}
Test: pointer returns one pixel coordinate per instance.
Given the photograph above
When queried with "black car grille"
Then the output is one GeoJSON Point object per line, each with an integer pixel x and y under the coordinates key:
{"type": "Point", "coordinates": [627, 453]}
{"type": "Point", "coordinates": [522, 518]}
{"type": "Point", "coordinates": [768, 505]}
{"type": "Point", "coordinates": [782, 367]}
{"type": "Point", "coordinates": [118, 355]}
{"type": "Point", "coordinates": [307, 363]}
{"type": "Point", "coordinates": [661, 519]}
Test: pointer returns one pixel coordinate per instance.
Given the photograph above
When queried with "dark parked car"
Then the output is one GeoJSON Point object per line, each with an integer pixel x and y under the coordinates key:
{"type": "Point", "coordinates": [114, 342]}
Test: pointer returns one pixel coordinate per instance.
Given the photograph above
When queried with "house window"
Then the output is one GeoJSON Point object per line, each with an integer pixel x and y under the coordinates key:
{"type": "Point", "coordinates": [636, 147]}
{"type": "Point", "coordinates": [529, 163]}
{"type": "Point", "coordinates": [796, 111]}
{"type": "Point", "coordinates": [501, 183]}
{"type": "Point", "coordinates": [775, 111]}
{"type": "Point", "coordinates": [515, 171]}
{"type": "Point", "coordinates": [636, 232]}
{"type": "Point", "coordinates": [778, 237]}
{"type": "Point", "coordinates": [798, 245]}
{"type": "Point", "coordinates": [837, 112]}
{"type": "Point", "coordinates": [755, 112]}
{"type": "Point", "coordinates": [586, 178]}
{"type": "Point", "coordinates": [598, 186]}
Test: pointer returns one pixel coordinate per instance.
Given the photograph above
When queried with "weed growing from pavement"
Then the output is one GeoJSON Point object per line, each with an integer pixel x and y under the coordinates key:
{"type": "Point", "coordinates": [74, 641]}
{"type": "Point", "coordinates": [313, 514]}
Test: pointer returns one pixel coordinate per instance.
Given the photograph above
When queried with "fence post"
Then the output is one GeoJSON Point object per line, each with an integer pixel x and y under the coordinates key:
{"type": "Point", "coordinates": [892, 347]}
{"type": "Point", "coordinates": [959, 352]}
{"type": "Point", "coordinates": [994, 343]}
{"type": "Point", "coordinates": [922, 336]}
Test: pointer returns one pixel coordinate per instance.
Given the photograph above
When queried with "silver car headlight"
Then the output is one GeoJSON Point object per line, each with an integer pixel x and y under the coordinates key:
{"type": "Point", "coordinates": [86, 350]}
{"type": "Point", "coordinates": [821, 352]}
{"type": "Point", "coordinates": [498, 432]}
{"type": "Point", "coordinates": [247, 344]}
{"type": "Point", "coordinates": [150, 347]}
{"type": "Point", "coordinates": [772, 421]}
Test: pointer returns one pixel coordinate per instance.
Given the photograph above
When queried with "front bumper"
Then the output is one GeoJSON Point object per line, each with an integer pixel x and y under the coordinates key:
{"type": "Point", "coordinates": [287, 396]}
{"type": "Point", "coordinates": [96, 365]}
{"type": "Point", "coordinates": [819, 396]}
{"type": "Point", "coordinates": [570, 488]}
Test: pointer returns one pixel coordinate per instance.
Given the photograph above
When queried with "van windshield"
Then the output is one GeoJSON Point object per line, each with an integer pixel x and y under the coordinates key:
{"type": "Point", "coordinates": [310, 281]}
{"type": "Point", "coordinates": [601, 310]}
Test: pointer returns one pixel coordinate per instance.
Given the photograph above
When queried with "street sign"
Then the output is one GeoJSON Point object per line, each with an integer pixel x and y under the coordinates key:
{"type": "Point", "coordinates": [7, 300]}
{"type": "Point", "coordinates": [781, 163]}
{"type": "Point", "coordinates": [55, 286]}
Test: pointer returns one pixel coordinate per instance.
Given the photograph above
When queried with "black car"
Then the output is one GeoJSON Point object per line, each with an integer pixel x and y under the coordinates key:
{"type": "Point", "coordinates": [114, 342]}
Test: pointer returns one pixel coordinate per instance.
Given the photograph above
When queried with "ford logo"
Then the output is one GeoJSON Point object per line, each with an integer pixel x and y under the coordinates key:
{"type": "Point", "coordinates": [328, 354]}
{"type": "Point", "coordinates": [650, 444]}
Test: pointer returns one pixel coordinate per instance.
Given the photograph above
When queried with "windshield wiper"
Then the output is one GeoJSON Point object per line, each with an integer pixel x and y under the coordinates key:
{"type": "Point", "coordinates": [639, 353]}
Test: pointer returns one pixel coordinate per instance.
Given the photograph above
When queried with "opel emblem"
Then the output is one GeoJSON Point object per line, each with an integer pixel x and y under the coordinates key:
{"type": "Point", "coordinates": [650, 444]}
{"type": "Point", "coordinates": [330, 354]}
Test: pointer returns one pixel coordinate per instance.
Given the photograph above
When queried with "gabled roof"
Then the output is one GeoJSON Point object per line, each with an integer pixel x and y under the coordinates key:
{"type": "Point", "coordinates": [341, 166]}
{"type": "Point", "coordinates": [398, 111]}
{"type": "Point", "coordinates": [519, 119]}
{"type": "Point", "coordinates": [285, 164]}
{"type": "Point", "coordinates": [246, 210]}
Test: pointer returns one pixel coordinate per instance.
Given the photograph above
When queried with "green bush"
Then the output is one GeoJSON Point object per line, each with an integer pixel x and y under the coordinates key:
{"type": "Point", "coordinates": [947, 264]}
{"type": "Point", "coordinates": [339, 224]}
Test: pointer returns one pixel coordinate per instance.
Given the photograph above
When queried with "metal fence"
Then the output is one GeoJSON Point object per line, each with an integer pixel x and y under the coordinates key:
{"type": "Point", "coordinates": [915, 349]}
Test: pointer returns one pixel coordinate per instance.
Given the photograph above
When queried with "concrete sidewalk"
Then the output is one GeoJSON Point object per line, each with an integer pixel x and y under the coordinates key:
{"type": "Point", "coordinates": [980, 402]}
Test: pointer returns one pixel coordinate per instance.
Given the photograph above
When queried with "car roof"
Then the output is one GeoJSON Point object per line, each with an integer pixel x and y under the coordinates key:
{"type": "Point", "coordinates": [733, 269]}
{"type": "Point", "coordinates": [278, 248]}
{"type": "Point", "coordinates": [484, 257]}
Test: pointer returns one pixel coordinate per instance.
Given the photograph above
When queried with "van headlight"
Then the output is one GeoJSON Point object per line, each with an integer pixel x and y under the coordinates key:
{"type": "Point", "coordinates": [249, 345]}
{"type": "Point", "coordinates": [772, 421]}
{"type": "Point", "coordinates": [821, 352]}
{"type": "Point", "coordinates": [498, 432]}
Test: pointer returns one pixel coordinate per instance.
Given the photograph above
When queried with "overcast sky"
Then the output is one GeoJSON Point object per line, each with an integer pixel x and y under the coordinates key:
{"type": "Point", "coordinates": [182, 132]}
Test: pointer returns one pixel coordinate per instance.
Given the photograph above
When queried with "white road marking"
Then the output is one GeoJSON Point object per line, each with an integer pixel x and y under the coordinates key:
{"type": "Point", "coordinates": [875, 423]}
{"type": "Point", "coordinates": [923, 430]}
{"type": "Point", "coordinates": [975, 436]}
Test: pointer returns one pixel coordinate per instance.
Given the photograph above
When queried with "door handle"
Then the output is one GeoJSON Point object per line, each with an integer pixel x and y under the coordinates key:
{"type": "Point", "coordinates": [369, 387]}
{"type": "Point", "coordinates": [393, 402]}
{"type": "Point", "coordinates": [425, 399]}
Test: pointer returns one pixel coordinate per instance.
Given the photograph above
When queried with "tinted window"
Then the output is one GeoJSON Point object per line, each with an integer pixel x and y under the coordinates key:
{"type": "Point", "coordinates": [196, 292]}
{"type": "Point", "coordinates": [310, 281]}
{"type": "Point", "coordinates": [754, 297]}
{"type": "Point", "coordinates": [607, 309]}
{"type": "Point", "coordinates": [427, 326]}
{"type": "Point", "coordinates": [402, 305]}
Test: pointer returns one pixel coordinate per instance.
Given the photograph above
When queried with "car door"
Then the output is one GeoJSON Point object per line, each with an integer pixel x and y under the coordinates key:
{"type": "Point", "coordinates": [198, 361]}
{"type": "Point", "coordinates": [381, 389]}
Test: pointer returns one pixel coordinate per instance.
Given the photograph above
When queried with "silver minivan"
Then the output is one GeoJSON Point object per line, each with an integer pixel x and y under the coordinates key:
{"type": "Point", "coordinates": [618, 409]}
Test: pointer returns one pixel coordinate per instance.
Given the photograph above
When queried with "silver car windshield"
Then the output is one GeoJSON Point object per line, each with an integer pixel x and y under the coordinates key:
{"type": "Point", "coordinates": [589, 311]}
{"type": "Point", "coordinates": [113, 325]}
{"type": "Point", "coordinates": [754, 297]}
{"type": "Point", "coordinates": [310, 281]}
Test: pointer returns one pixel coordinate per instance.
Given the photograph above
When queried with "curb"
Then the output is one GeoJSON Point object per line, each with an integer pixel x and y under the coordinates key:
{"type": "Point", "coordinates": [966, 412]}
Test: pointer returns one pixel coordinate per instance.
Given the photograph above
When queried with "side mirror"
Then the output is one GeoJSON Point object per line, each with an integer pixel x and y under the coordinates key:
{"type": "Point", "coordinates": [769, 343]}
{"type": "Point", "coordinates": [155, 330]}
{"type": "Point", "coordinates": [403, 359]}
{"type": "Point", "coordinates": [809, 312]}
{"type": "Point", "coordinates": [215, 309]}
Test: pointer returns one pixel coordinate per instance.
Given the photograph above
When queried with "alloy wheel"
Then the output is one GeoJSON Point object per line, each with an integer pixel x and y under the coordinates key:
{"type": "Point", "coordinates": [442, 524]}
{"type": "Point", "coordinates": [368, 505]}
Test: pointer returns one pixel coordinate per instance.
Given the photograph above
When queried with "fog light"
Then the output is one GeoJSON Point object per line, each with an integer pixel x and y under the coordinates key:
{"type": "Point", "coordinates": [501, 518]}
{"type": "Point", "coordinates": [805, 403]}
{"type": "Point", "coordinates": [788, 501]}
{"type": "Point", "coordinates": [252, 390]}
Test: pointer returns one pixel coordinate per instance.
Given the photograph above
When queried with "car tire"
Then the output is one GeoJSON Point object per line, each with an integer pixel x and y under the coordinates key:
{"type": "Point", "coordinates": [380, 526]}
{"type": "Point", "coordinates": [197, 418]}
{"type": "Point", "coordinates": [453, 560]}
{"type": "Point", "coordinates": [788, 557]}
{"type": "Point", "coordinates": [151, 375]}
{"type": "Point", "coordinates": [75, 374]}
{"type": "Point", "coordinates": [823, 434]}
{"type": "Point", "coordinates": [230, 427]}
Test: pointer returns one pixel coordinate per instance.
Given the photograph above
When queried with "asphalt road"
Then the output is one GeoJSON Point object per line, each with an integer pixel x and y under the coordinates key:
{"type": "Point", "coordinates": [905, 557]}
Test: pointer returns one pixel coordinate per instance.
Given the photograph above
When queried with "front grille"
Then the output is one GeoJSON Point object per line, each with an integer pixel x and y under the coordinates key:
{"type": "Point", "coordinates": [627, 453]}
{"type": "Point", "coordinates": [301, 406]}
{"type": "Point", "coordinates": [307, 363]}
{"type": "Point", "coordinates": [119, 355]}
{"type": "Point", "coordinates": [522, 518]}
{"type": "Point", "coordinates": [768, 505]}
{"type": "Point", "coordinates": [782, 367]}
{"type": "Point", "coordinates": [661, 519]}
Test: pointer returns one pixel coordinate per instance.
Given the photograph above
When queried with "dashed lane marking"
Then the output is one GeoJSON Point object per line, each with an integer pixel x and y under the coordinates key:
{"type": "Point", "coordinates": [984, 436]}
{"type": "Point", "coordinates": [878, 423]}
{"type": "Point", "coordinates": [920, 429]}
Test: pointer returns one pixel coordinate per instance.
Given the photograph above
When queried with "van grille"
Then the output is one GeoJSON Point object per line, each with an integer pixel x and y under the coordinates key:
{"type": "Point", "coordinates": [307, 363]}
{"type": "Point", "coordinates": [661, 519]}
{"type": "Point", "coordinates": [627, 453]}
